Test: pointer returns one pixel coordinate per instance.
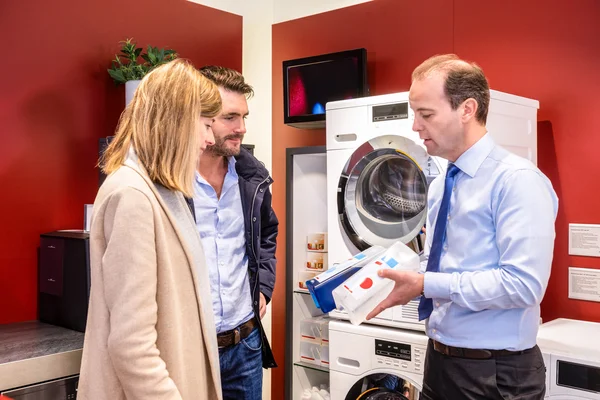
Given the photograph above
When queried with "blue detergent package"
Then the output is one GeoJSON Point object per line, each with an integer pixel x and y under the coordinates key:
{"type": "Point", "coordinates": [322, 285]}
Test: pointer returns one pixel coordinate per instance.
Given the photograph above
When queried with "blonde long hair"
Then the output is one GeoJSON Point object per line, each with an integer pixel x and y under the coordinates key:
{"type": "Point", "coordinates": [161, 123]}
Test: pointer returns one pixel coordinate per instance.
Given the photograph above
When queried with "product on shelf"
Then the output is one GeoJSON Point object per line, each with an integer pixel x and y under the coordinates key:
{"type": "Point", "coordinates": [325, 355]}
{"type": "Point", "coordinates": [316, 260]}
{"type": "Point", "coordinates": [365, 289]}
{"type": "Point", "coordinates": [316, 241]}
{"type": "Point", "coordinates": [314, 341]}
{"type": "Point", "coordinates": [310, 352]}
{"type": "Point", "coordinates": [304, 276]}
{"type": "Point", "coordinates": [316, 393]}
{"type": "Point", "coordinates": [310, 330]}
{"type": "Point", "coordinates": [315, 330]}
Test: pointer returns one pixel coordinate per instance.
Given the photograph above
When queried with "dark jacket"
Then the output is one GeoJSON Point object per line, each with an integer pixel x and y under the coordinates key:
{"type": "Point", "coordinates": [261, 235]}
{"type": "Point", "coordinates": [261, 226]}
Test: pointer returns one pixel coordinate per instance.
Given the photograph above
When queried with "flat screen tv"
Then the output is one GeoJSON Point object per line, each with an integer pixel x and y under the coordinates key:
{"type": "Point", "coordinates": [310, 83]}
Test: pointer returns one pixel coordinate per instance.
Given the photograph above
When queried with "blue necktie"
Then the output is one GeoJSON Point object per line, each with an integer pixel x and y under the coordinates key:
{"type": "Point", "coordinates": [439, 235]}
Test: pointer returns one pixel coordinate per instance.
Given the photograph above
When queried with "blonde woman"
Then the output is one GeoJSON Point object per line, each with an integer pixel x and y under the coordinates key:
{"type": "Point", "coordinates": [150, 330]}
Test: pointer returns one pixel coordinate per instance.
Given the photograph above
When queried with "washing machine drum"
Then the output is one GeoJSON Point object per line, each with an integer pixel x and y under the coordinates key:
{"type": "Point", "coordinates": [393, 190]}
{"type": "Point", "coordinates": [382, 193]}
{"type": "Point", "coordinates": [381, 394]}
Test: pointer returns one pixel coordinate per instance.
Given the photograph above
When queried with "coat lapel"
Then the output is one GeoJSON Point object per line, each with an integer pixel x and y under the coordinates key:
{"type": "Point", "coordinates": [178, 212]}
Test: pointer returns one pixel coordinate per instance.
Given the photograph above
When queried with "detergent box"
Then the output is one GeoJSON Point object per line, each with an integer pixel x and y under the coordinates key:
{"type": "Point", "coordinates": [364, 290]}
{"type": "Point", "coordinates": [322, 285]}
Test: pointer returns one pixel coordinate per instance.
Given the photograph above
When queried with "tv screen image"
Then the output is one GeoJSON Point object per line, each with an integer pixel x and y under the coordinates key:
{"type": "Point", "coordinates": [311, 82]}
{"type": "Point", "coordinates": [311, 86]}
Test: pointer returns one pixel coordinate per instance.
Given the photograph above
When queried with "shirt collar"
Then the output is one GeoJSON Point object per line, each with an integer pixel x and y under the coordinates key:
{"type": "Point", "coordinates": [231, 166]}
{"type": "Point", "coordinates": [230, 170]}
{"type": "Point", "coordinates": [132, 158]}
{"type": "Point", "coordinates": [470, 161]}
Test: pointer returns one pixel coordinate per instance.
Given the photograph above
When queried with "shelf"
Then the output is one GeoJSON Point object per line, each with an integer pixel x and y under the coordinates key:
{"type": "Point", "coordinates": [311, 366]}
{"type": "Point", "coordinates": [306, 213]}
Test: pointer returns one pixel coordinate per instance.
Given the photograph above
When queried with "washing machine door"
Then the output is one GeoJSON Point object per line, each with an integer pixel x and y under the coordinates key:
{"type": "Point", "coordinates": [381, 394]}
{"type": "Point", "coordinates": [382, 192]}
{"type": "Point", "coordinates": [382, 386]}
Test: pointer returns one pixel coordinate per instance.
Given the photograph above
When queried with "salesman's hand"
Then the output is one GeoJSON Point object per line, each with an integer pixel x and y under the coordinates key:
{"type": "Point", "coordinates": [263, 306]}
{"type": "Point", "coordinates": [409, 285]}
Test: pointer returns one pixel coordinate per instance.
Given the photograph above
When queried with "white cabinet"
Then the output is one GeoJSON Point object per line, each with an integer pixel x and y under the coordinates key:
{"type": "Point", "coordinates": [307, 340]}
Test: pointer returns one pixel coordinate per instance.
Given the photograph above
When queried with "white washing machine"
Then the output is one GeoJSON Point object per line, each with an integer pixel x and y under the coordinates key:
{"type": "Point", "coordinates": [378, 174]}
{"type": "Point", "coordinates": [571, 353]}
{"type": "Point", "coordinates": [367, 361]}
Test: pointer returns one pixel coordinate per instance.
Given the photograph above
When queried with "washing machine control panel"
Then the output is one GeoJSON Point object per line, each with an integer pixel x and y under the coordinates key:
{"type": "Point", "coordinates": [400, 355]}
{"type": "Point", "coordinates": [388, 112]}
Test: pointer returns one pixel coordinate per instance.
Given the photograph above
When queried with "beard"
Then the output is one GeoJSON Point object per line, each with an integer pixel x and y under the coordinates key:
{"type": "Point", "coordinates": [220, 147]}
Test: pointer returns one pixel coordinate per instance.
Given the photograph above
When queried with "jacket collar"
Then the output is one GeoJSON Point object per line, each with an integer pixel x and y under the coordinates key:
{"type": "Point", "coordinates": [249, 168]}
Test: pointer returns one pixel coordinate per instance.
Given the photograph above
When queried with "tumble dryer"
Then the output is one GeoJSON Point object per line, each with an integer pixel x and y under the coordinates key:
{"type": "Point", "coordinates": [378, 174]}
{"type": "Point", "coordinates": [371, 362]}
{"type": "Point", "coordinates": [572, 358]}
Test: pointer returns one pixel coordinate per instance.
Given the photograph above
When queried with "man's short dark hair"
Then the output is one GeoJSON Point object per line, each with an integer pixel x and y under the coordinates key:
{"type": "Point", "coordinates": [228, 78]}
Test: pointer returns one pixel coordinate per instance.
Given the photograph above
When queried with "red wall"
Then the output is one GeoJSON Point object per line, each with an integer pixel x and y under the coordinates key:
{"type": "Point", "coordinates": [544, 49]}
{"type": "Point", "coordinates": [57, 100]}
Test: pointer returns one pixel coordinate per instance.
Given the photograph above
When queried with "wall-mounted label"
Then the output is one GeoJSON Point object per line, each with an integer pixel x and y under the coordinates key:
{"type": "Point", "coordinates": [584, 284]}
{"type": "Point", "coordinates": [584, 240]}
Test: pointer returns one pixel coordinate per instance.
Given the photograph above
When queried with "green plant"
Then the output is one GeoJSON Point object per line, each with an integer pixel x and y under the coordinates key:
{"type": "Point", "coordinates": [125, 67]}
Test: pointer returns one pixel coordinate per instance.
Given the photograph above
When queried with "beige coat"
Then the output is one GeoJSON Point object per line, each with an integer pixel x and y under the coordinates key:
{"type": "Point", "coordinates": [150, 330]}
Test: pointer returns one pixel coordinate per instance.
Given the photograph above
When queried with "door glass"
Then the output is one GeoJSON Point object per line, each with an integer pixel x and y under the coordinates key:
{"type": "Point", "coordinates": [382, 194]}
{"type": "Point", "coordinates": [382, 386]}
{"type": "Point", "coordinates": [392, 189]}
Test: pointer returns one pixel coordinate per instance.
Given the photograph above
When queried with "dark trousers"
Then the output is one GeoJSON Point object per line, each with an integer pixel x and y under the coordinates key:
{"type": "Point", "coordinates": [521, 376]}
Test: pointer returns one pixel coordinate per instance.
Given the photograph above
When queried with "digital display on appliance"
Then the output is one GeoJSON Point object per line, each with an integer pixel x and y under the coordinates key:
{"type": "Point", "coordinates": [578, 376]}
{"type": "Point", "coordinates": [401, 351]}
{"type": "Point", "coordinates": [388, 112]}
{"type": "Point", "coordinates": [311, 82]}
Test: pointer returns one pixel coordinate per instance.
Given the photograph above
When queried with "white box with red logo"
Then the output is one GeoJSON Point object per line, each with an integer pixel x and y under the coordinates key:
{"type": "Point", "coordinates": [363, 291]}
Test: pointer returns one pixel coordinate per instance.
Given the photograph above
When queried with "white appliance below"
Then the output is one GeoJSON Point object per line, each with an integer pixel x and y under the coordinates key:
{"type": "Point", "coordinates": [364, 354]}
{"type": "Point", "coordinates": [572, 356]}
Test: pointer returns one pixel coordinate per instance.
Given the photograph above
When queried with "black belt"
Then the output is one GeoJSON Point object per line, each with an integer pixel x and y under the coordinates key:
{"type": "Point", "coordinates": [233, 337]}
{"type": "Point", "coordinates": [476, 354]}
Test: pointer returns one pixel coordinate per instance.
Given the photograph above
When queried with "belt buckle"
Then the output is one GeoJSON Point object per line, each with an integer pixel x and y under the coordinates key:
{"type": "Point", "coordinates": [236, 336]}
{"type": "Point", "coordinates": [488, 354]}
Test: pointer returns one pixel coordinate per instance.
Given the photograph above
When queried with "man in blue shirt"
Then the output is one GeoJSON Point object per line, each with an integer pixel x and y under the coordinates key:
{"type": "Point", "coordinates": [488, 250]}
{"type": "Point", "coordinates": [238, 229]}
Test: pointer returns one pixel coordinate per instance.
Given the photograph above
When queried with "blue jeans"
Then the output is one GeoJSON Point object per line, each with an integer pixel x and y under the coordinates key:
{"type": "Point", "coordinates": [241, 369]}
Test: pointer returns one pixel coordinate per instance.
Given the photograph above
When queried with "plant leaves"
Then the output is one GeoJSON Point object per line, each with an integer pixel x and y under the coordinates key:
{"type": "Point", "coordinates": [117, 76]}
{"type": "Point", "coordinates": [122, 72]}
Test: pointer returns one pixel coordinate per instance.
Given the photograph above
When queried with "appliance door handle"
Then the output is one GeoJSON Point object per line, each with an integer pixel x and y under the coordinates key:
{"type": "Point", "coordinates": [348, 362]}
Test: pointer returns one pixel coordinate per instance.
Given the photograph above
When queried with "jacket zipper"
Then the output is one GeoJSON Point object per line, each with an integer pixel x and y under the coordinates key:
{"type": "Point", "coordinates": [257, 260]}
{"type": "Point", "coordinates": [252, 221]}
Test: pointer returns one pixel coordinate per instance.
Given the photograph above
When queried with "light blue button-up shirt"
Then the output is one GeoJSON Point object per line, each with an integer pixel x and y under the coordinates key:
{"type": "Point", "coordinates": [497, 257]}
{"type": "Point", "coordinates": [220, 222]}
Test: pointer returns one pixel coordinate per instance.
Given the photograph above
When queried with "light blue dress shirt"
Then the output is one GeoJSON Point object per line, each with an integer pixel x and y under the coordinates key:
{"type": "Point", "coordinates": [220, 222]}
{"type": "Point", "coordinates": [496, 260]}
